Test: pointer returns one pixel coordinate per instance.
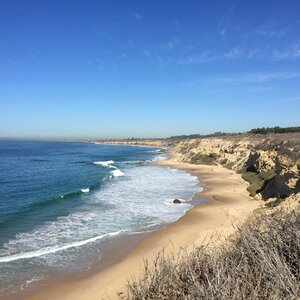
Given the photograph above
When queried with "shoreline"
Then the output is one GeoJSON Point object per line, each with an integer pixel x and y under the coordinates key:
{"type": "Point", "coordinates": [190, 230]}
{"type": "Point", "coordinates": [154, 145]}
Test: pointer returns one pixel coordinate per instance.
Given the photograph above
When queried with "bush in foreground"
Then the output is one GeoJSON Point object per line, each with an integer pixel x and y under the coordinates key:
{"type": "Point", "coordinates": [261, 262]}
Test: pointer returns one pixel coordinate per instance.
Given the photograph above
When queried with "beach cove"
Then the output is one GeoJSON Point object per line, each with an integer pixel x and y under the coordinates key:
{"type": "Point", "coordinates": [228, 203]}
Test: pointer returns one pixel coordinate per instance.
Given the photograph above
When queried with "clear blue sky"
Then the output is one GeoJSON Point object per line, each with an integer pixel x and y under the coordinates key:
{"type": "Point", "coordinates": [147, 68]}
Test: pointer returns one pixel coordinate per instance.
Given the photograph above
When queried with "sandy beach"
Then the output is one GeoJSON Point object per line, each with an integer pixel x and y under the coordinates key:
{"type": "Point", "coordinates": [228, 202]}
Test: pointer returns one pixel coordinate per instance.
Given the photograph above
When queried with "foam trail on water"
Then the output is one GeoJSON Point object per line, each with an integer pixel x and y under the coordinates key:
{"type": "Point", "coordinates": [85, 190]}
{"type": "Point", "coordinates": [54, 249]}
{"type": "Point", "coordinates": [107, 163]}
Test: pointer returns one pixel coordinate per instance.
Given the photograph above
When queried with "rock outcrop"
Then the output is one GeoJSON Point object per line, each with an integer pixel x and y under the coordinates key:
{"type": "Point", "coordinates": [176, 201]}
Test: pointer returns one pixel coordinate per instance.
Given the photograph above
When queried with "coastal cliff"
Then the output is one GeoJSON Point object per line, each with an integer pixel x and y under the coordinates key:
{"type": "Point", "coordinates": [270, 163]}
{"type": "Point", "coordinates": [262, 251]}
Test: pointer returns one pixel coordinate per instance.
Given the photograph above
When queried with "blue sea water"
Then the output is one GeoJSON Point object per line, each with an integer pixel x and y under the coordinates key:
{"type": "Point", "coordinates": [61, 202]}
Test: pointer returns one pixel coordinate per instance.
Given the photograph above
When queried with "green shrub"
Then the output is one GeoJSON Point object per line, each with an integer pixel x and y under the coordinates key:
{"type": "Point", "coordinates": [229, 165]}
{"type": "Point", "coordinates": [242, 170]}
{"type": "Point", "coordinates": [213, 155]}
{"type": "Point", "coordinates": [224, 161]}
{"type": "Point", "coordinates": [204, 159]}
{"type": "Point", "coordinates": [267, 175]}
{"type": "Point", "coordinates": [257, 181]}
{"type": "Point", "coordinates": [250, 176]}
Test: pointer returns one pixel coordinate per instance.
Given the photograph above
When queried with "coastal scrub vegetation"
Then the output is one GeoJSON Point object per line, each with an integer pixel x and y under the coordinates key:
{"type": "Point", "coordinates": [257, 180]}
{"type": "Point", "coordinates": [206, 159]}
{"type": "Point", "coordinates": [262, 261]}
{"type": "Point", "coordinates": [224, 162]}
{"type": "Point", "coordinates": [229, 165]}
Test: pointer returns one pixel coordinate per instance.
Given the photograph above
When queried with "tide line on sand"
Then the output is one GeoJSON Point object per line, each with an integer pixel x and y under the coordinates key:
{"type": "Point", "coordinates": [193, 229]}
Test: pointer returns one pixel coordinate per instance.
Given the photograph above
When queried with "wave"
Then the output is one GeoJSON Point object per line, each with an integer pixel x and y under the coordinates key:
{"type": "Point", "coordinates": [117, 173]}
{"type": "Point", "coordinates": [159, 157]}
{"type": "Point", "coordinates": [77, 193]}
{"type": "Point", "coordinates": [107, 163]}
{"type": "Point", "coordinates": [46, 203]}
{"type": "Point", "coordinates": [68, 196]}
{"type": "Point", "coordinates": [54, 249]}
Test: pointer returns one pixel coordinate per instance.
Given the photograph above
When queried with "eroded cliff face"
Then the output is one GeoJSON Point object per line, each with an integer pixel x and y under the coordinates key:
{"type": "Point", "coordinates": [269, 163]}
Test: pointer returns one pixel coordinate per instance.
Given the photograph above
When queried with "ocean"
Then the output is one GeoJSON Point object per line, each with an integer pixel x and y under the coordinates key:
{"type": "Point", "coordinates": [62, 202]}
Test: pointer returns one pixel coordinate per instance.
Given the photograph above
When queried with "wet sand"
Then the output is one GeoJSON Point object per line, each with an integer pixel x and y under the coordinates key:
{"type": "Point", "coordinates": [227, 203]}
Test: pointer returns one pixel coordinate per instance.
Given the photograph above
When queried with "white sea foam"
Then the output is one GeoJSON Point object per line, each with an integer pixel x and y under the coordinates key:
{"type": "Point", "coordinates": [85, 190]}
{"type": "Point", "coordinates": [54, 249]}
{"type": "Point", "coordinates": [162, 156]}
{"type": "Point", "coordinates": [171, 202]}
{"type": "Point", "coordinates": [29, 282]}
{"type": "Point", "coordinates": [107, 163]}
{"type": "Point", "coordinates": [74, 241]}
{"type": "Point", "coordinates": [117, 173]}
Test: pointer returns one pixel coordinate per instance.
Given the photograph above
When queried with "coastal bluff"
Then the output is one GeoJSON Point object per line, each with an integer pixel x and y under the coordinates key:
{"type": "Point", "coordinates": [270, 163]}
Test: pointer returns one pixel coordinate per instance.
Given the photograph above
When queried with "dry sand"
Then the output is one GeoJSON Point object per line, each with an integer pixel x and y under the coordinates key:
{"type": "Point", "coordinates": [228, 203]}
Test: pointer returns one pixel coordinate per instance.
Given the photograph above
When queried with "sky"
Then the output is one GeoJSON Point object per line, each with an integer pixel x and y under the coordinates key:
{"type": "Point", "coordinates": [147, 68]}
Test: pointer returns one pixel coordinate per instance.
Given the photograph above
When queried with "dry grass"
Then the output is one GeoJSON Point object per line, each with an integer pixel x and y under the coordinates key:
{"type": "Point", "coordinates": [261, 262]}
